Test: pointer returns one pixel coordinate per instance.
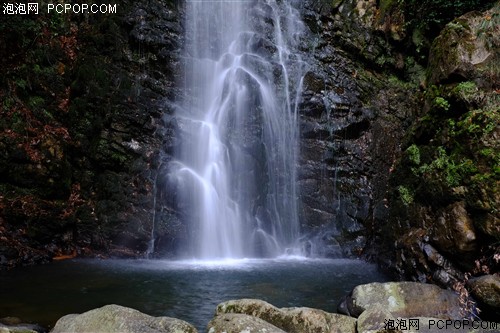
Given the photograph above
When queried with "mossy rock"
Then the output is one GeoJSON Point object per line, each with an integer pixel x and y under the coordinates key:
{"type": "Point", "coordinates": [465, 49]}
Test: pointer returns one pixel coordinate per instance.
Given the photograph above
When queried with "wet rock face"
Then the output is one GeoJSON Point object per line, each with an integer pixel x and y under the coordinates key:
{"type": "Point", "coordinates": [123, 118]}
{"type": "Point", "coordinates": [333, 128]}
{"type": "Point", "coordinates": [155, 30]}
{"type": "Point", "coordinates": [129, 197]}
{"type": "Point", "coordinates": [351, 125]}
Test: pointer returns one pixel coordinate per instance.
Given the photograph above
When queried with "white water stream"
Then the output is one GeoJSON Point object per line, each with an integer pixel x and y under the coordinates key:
{"type": "Point", "coordinates": [236, 168]}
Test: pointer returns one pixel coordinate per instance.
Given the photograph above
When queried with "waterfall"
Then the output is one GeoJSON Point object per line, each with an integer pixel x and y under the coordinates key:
{"type": "Point", "coordinates": [235, 168]}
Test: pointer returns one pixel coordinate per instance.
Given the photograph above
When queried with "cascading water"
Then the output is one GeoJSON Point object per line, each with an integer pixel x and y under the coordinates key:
{"type": "Point", "coordinates": [238, 126]}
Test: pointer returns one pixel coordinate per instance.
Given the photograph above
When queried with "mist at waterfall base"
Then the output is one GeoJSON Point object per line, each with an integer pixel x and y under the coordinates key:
{"type": "Point", "coordinates": [188, 290]}
{"type": "Point", "coordinates": [235, 167]}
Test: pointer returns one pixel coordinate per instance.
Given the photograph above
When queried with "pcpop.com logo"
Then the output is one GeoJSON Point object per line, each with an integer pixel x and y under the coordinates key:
{"type": "Point", "coordinates": [84, 8]}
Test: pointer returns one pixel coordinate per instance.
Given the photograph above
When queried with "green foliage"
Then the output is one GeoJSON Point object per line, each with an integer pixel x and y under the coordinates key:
{"type": "Point", "coordinates": [441, 103]}
{"type": "Point", "coordinates": [451, 168]}
{"type": "Point", "coordinates": [414, 154]}
{"type": "Point", "coordinates": [35, 101]}
{"type": "Point", "coordinates": [406, 195]}
{"type": "Point", "coordinates": [8, 102]}
{"type": "Point", "coordinates": [22, 29]}
{"type": "Point", "coordinates": [385, 5]}
{"type": "Point", "coordinates": [56, 21]}
{"type": "Point", "coordinates": [467, 90]}
{"type": "Point", "coordinates": [476, 123]}
{"type": "Point", "coordinates": [17, 122]}
{"type": "Point", "coordinates": [469, 93]}
{"type": "Point", "coordinates": [21, 83]}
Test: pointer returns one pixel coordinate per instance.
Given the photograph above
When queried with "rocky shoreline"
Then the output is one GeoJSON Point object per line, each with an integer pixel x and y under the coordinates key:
{"type": "Point", "coordinates": [374, 307]}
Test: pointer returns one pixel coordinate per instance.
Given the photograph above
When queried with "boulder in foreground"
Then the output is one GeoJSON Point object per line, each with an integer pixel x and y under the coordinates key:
{"type": "Point", "coordinates": [291, 320]}
{"type": "Point", "coordinates": [405, 299]}
{"type": "Point", "coordinates": [118, 319]}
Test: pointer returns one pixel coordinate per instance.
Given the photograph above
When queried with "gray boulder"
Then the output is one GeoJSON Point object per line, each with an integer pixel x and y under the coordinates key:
{"type": "Point", "coordinates": [404, 299]}
{"type": "Point", "coordinates": [292, 320]}
{"type": "Point", "coordinates": [119, 319]}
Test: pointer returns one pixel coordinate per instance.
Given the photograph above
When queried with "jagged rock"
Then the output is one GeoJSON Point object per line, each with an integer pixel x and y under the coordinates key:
{"type": "Point", "coordinates": [119, 319]}
{"type": "Point", "coordinates": [405, 299]}
{"type": "Point", "coordinates": [290, 319]}
{"type": "Point", "coordinates": [239, 323]}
